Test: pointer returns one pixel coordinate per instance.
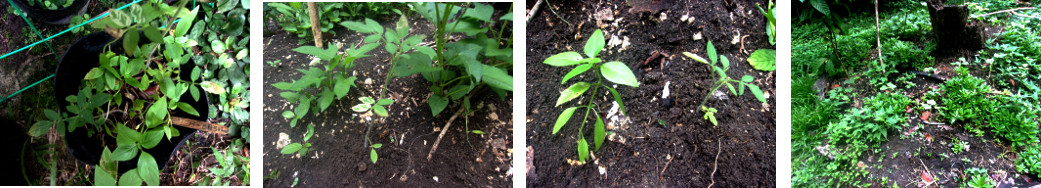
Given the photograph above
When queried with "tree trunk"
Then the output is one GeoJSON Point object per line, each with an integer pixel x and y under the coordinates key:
{"type": "Point", "coordinates": [951, 28]}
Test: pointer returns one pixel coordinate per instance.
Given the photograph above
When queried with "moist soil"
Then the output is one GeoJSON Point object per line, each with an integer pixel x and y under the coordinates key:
{"type": "Point", "coordinates": [18, 113]}
{"type": "Point", "coordinates": [341, 158]}
{"type": "Point", "coordinates": [663, 145]}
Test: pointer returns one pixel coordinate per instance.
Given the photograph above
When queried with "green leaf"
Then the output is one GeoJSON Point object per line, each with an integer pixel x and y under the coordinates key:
{"type": "Point", "coordinates": [372, 38]}
{"type": "Point", "coordinates": [291, 148]}
{"type": "Point", "coordinates": [385, 102]}
{"type": "Point", "coordinates": [124, 152]}
{"type": "Point", "coordinates": [426, 50]}
{"type": "Point", "coordinates": [379, 110]}
{"type": "Point", "coordinates": [712, 53]}
{"type": "Point", "coordinates": [477, 132]}
{"type": "Point", "coordinates": [377, 145]}
{"type": "Point", "coordinates": [217, 46]}
{"type": "Point", "coordinates": [361, 107]}
{"type": "Point", "coordinates": [480, 11]}
{"type": "Point", "coordinates": [187, 108]}
{"type": "Point", "coordinates": [288, 114]}
{"type": "Point", "coordinates": [147, 169]}
{"type": "Point", "coordinates": [94, 73]}
{"type": "Point", "coordinates": [731, 86]}
{"type": "Point", "coordinates": [756, 92]}
{"type": "Point", "coordinates": [575, 72]}
{"type": "Point", "coordinates": [152, 138]}
{"type": "Point", "coordinates": [563, 118]}
{"type": "Point", "coordinates": [583, 150]}
{"type": "Point", "coordinates": [120, 19]}
{"type": "Point", "coordinates": [358, 26]}
{"type": "Point", "coordinates": [127, 136]}
{"type": "Point", "coordinates": [130, 178]}
{"type": "Point", "coordinates": [305, 105]}
{"type": "Point", "coordinates": [194, 91]}
{"type": "Point", "coordinates": [564, 59]}
{"type": "Point", "coordinates": [695, 57]}
{"type": "Point", "coordinates": [763, 59]}
{"type": "Point", "coordinates": [186, 22]}
{"type": "Point", "coordinates": [323, 54]}
{"type": "Point", "coordinates": [725, 62]}
{"type": "Point", "coordinates": [437, 104]}
{"type": "Point", "coordinates": [617, 98]}
{"type": "Point", "coordinates": [722, 74]}
{"type": "Point", "coordinates": [619, 73]}
{"type": "Point", "coordinates": [130, 41]}
{"type": "Point", "coordinates": [367, 100]}
{"type": "Point", "coordinates": [310, 132]}
{"type": "Point", "coordinates": [599, 132]}
{"type": "Point", "coordinates": [343, 86]}
{"type": "Point", "coordinates": [212, 87]}
{"type": "Point", "coordinates": [325, 99]}
{"type": "Point", "coordinates": [747, 78]}
{"type": "Point", "coordinates": [595, 43]}
{"type": "Point", "coordinates": [290, 96]}
{"type": "Point", "coordinates": [156, 114]}
{"type": "Point", "coordinates": [153, 34]}
{"type": "Point", "coordinates": [390, 47]}
{"type": "Point", "coordinates": [40, 128]}
{"type": "Point", "coordinates": [103, 178]}
{"type": "Point", "coordinates": [373, 156]}
{"type": "Point", "coordinates": [496, 78]}
{"type": "Point", "coordinates": [572, 92]}
{"type": "Point", "coordinates": [821, 6]}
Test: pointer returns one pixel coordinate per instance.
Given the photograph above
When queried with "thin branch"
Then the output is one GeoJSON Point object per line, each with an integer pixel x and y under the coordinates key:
{"type": "Point", "coordinates": [443, 131]}
{"type": "Point", "coordinates": [533, 11]}
{"type": "Point", "coordinates": [1003, 11]}
{"type": "Point", "coordinates": [715, 164]}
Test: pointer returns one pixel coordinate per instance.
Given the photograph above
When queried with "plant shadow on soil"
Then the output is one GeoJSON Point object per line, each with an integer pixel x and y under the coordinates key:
{"type": "Point", "coordinates": [681, 153]}
{"type": "Point", "coordinates": [341, 159]}
{"type": "Point", "coordinates": [21, 111]}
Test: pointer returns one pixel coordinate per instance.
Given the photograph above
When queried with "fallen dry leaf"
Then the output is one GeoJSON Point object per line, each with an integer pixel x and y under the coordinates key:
{"type": "Point", "coordinates": [928, 137]}
{"type": "Point", "coordinates": [926, 177]}
{"type": "Point", "coordinates": [925, 116]}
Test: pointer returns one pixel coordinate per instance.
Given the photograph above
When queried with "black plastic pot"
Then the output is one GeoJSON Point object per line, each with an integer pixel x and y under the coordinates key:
{"type": "Point", "coordinates": [77, 61]}
{"type": "Point", "coordinates": [54, 17]}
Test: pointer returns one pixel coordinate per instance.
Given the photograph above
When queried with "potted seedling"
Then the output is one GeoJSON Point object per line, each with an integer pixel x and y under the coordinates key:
{"type": "Point", "coordinates": [55, 12]}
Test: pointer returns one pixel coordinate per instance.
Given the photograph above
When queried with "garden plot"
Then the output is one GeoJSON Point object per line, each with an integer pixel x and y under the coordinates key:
{"type": "Point", "coordinates": [667, 139]}
{"type": "Point", "coordinates": [475, 150]}
{"type": "Point", "coordinates": [922, 114]}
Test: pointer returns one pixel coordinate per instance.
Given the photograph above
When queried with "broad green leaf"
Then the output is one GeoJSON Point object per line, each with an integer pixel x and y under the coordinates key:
{"type": "Point", "coordinates": [120, 19]}
{"type": "Point", "coordinates": [564, 59]}
{"type": "Point", "coordinates": [391, 47]}
{"type": "Point", "coordinates": [291, 148]}
{"type": "Point", "coordinates": [361, 107]}
{"type": "Point", "coordinates": [130, 41]}
{"type": "Point", "coordinates": [94, 74]}
{"type": "Point", "coordinates": [152, 138]}
{"type": "Point", "coordinates": [496, 78]}
{"type": "Point", "coordinates": [467, 26]}
{"type": "Point", "coordinates": [617, 98]}
{"type": "Point", "coordinates": [379, 110]}
{"type": "Point", "coordinates": [583, 150]}
{"type": "Point", "coordinates": [156, 114]}
{"type": "Point", "coordinates": [187, 108]}
{"type": "Point", "coordinates": [414, 63]}
{"type": "Point", "coordinates": [103, 178]}
{"type": "Point", "coordinates": [726, 62]}
{"type": "Point", "coordinates": [153, 34]}
{"type": "Point", "coordinates": [722, 74]}
{"type": "Point", "coordinates": [563, 118]}
{"type": "Point", "coordinates": [426, 50]}
{"type": "Point", "coordinates": [372, 38]}
{"type": "Point", "coordinates": [310, 132]}
{"type": "Point", "coordinates": [756, 92]}
{"type": "Point", "coordinates": [385, 102]}
{"type": "Point", "coordinates": [599, 132]}
{"type": "Point", "coordinates": [130, 178]}
{"type": "Point", "coordinates": [575, 72]}
{"type": "Point", "coordinates": [358, 26]}
{"type": "Point", "coordinates": [305, 105]}
{"type": "Point", "coordinates": [40, 128]}
{"type": "Point", "coordinates": [619, 73]}
{"type": "Point", "coordinates": [458, 91]}
{"type": "Point", "coordinates": [343, 86]}
{"type": "Point", "coordinates": [373, 156]}
{"type": "Point", "coordinates": [437, 104]}
{"type": "Point", "coordinates": [186, 22]}
{"type": "Point", "coordinates": [763, 59]}
{"type": "Point", "coordinates": [821, 6]}
{"type": "Point", "coordinates": [323, 54]}
{"type": "Point", "coordinates": [325, 98]}
{"type": "Point", "coordinates": [731, 86]}
{"type": "Point", "coordinates": [288, 114]}
{"type": "Point", "coordinates": [147, 169]}
{"type": "Point", "coordinates": [196, 73]}
{"type": "Point", "coordinates": [480, 11]}
{"type": "Point", "coordinates": [595, 43]}
{"type": "Point", "coordinates": [572, 92]}
{"type": "Point", "coordinates": [377, 146]}
{"type": "Point", "coordinates": [290, 96]}
{"type": "Point", "coordinates": [127, 136]}
{"type": "Point", "coordinates": [124, 152]}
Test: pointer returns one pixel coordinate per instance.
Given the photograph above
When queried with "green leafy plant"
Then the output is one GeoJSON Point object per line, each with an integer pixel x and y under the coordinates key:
{"type": "Point", "coordinates": [332, 83]}
{"type": "Point", "coordinates": [274, 63]}
{"type": "Point", "coordinates": [771, 24]}
{"type": "Point", "coordinates": [303, 147]}
{"type": "Point", "coordinates": [293, 17]}
{"type": "Point", "coordinates": [723, 80]}
{"type": "Point", "coordinates": [967, 101]}
{"type": "Point", "coordinates": [613, 71]}
{"type": "Point", "coordinates": [372, 152]}
{"type": "Point", "coordinates": [1029, 161]}
{"type": "Point", "coordinates": [979, 178]}
{"type": "Point", "coordinates": [377, 107]}
{"type": "Point", "coordinates": [50, 4]}
{"type": "Point", "coordinates": [958, 146]}
{"type": "Point", "coordinates": [871, 123]}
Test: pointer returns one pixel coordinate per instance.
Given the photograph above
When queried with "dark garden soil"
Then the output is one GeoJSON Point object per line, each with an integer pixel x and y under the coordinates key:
{"type": "Point", "coordinates": [341, 158]}
{"type": "Point", "coordinates": [28, 155]}
{"type": "Point", "coordinates": [663, 146]}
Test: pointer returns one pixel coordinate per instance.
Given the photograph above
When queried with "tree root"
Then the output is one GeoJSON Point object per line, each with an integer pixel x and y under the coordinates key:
{"type": "Point", "coordinates": [443, 131]}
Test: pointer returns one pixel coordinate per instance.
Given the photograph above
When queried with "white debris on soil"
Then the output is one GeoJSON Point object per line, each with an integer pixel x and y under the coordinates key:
{"type": "Point", "coordinates": [601, 168]}
{"type": "Point", "coordinates": [684, 17]}
{"type": "Point", "coordinates": [605, 15]}
{"type": "Point", "coordinates": [720, 95]}
{"type": "Point", "coordinates": [435, 179]}
{"type": "Point", "coordinates": [697, 36]}
{"type": "Point", "coordinates": [368, 81]}
{"type": "Point", "coordinates": [616, 41]}
{"type": "Point", "coordinates": [283, 140]}
{"type": "Point", "coordinates": [663, 17]}
{"type": "Point", "coordinates": [314, 61]}
{"type": "Point", "coordinates": [616, 138]}
{"type": "Point", "coordinates": [665, 92]}
{"type": "Point", "coordinates": [737, 38]}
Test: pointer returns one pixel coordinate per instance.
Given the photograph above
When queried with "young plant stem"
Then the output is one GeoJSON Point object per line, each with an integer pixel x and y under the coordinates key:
{"type": "Point", "coordinates": [589, 106]}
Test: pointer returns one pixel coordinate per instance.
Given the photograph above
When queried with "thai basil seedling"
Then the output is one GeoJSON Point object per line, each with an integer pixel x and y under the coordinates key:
{"type": "Point", "coordinates": [377, 107]}
{"type": "Point", "coordinates": [333, 83]}
{"type": "Point", "coordinates": [721, 69]}
{"type": "Point", "coordinates": [613, 71]}
{"type": "Point", "coordinates": [303, 147]}
{"type": "Point", "coordinates": [372, 152]}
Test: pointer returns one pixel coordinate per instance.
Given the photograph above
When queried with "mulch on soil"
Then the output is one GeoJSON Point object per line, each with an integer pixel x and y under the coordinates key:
{"type": "Point", "coordinates": [341, 159]}
{"type": "Point", "coordinates": [682, 152]}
